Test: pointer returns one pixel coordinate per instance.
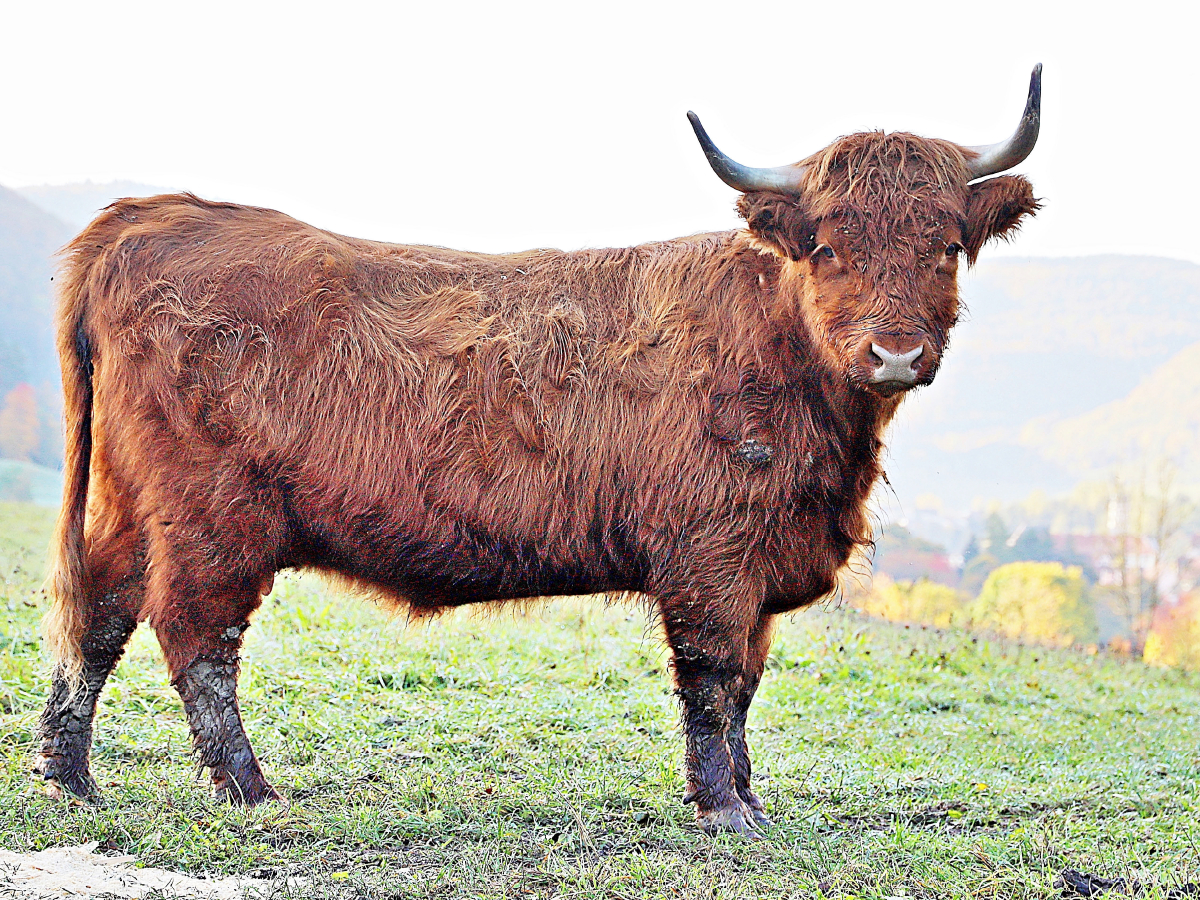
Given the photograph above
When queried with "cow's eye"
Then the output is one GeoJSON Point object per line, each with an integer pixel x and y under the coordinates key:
{"type": "Point", "coordinates": [952, 250]}
{"type": "Point", "coordinates": [826, 251]}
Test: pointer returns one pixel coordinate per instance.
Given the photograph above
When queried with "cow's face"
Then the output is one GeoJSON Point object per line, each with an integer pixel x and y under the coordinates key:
{"type": "Point", "coordinates": [874, 229]}
{"type": "Point", "coordinates": [882, 317]}
{"type": "Point", "coordinates": [878, 234]}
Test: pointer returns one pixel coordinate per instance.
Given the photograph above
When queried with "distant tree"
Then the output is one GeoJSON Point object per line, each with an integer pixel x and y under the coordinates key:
{"type": "Point", "coordinates": [1037, 601]}
{"type": "Point", "coordinates": [971, 550]}
{"type": "Point", "coordinates": [983, 554]}
{"type": "Point", "coordinates": [1174, 638]}
{"type": "Point", "coordinates": [920, 602]}
{"type": "Point", "coordinates": [50, 409]}
{"type": "Point", "coordinates": [995, 534]}
{"type": "Point", "coordinates": [1032, 545]}
{"type": "Point", "coordinates": [1146, 515]}
{"type": "Point", "coordinates": [19, 426]}
{"type": "Point", "coordinates": [998, 546]}
{"type": "Point", "coordinates": [976, 572]}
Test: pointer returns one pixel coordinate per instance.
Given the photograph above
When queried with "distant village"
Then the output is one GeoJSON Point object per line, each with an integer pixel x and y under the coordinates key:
{"type": "Point", "coordinates": [1163, 576]}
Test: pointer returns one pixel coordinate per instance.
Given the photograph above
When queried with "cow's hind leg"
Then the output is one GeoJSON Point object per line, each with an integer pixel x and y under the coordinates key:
{"type": "Point", "coordinates": [65, 728]}
{"type": "Point", "coordinates": [66, 724]}
{"type": "Point", "coordinates": [208, 687]}
{"type": "Point", "coordinates": [710, 648]}
{"type": "Point", "coordinates": [758, 647]}
{"type": "Point", "coordinates": [199, 615]}
{"type": "Point", "coordinates": [209, 568]}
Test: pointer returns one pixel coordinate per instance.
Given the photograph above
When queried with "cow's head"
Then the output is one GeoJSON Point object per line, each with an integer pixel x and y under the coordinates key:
{"type": "Point", "coordinates": [878, 224]}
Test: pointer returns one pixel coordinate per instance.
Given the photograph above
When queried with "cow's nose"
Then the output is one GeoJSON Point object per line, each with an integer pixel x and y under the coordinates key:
{"type": "Point", "coordinates": [894, 365]}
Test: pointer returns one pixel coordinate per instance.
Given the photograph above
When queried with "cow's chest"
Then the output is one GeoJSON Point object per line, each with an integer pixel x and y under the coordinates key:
{"type": "Point", "coordinates": [798, 472]}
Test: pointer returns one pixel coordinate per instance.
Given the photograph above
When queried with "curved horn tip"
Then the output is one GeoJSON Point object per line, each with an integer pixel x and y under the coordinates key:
{"type": "Point", "coordinates": [1034, 101]}
{"type": "Point", "coordinates": [991, 159]}
{"type": "Point", "coordinates": [745, 178]}
{"type": "Point", "coordinates": [700, 131]}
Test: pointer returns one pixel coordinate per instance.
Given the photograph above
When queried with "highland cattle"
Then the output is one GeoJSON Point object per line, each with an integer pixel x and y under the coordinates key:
{"type": "Point", "coordinates": [699, 421]}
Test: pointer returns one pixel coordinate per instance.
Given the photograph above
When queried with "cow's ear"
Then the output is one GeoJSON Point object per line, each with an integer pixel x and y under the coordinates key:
{"type": "Point", "coordinates": [995, 209]}
{"type": "Point", "coordinates": [780, 221]}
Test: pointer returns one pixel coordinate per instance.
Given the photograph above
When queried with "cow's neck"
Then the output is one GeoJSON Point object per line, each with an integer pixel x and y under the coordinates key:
{"type": "Point", "coordinates": [857, 416]}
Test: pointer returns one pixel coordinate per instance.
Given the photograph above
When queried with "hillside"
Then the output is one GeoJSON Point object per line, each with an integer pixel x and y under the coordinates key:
{"type": "Point", "coordinates": [29, 238]}
{"type": "Point", "coordinates": [1045, 344]}
{"type": "Point", "coordinates": [1159, 418]}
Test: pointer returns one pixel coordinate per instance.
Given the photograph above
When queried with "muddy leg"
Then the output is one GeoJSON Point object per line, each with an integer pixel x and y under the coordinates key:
{"type": "Point", "coordinates": [208, 688]}
{"type": "Point", "coordinates": [708, 663]}
{"type": "Point", "coordinates": [66, 724]}
{"type": "Point", "coordinates": [756, 656]}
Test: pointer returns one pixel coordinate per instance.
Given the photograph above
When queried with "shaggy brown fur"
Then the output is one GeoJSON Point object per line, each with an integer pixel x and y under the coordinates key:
{"type": "Point", "coordinates": [689, 419]}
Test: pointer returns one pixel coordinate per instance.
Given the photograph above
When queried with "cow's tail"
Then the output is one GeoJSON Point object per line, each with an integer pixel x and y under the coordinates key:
{"type": "Point", "coordinates": [65, 624]}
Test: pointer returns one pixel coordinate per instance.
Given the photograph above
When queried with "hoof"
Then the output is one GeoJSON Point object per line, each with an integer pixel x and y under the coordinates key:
{"type": "Point", "coordinates": [64, 785]}
{"type": "Point", "coordinates": [736, 818]}
{"type": "Point", "coordinates": [761, 819]}
{"type": "Point", "coordinates": [256, 795]}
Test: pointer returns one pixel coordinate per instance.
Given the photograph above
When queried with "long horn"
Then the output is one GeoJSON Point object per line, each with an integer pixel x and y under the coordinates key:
{"type": "Point", "coordinates": [993, 158]}
{"type": "Point", "coordinates": [785, 179]}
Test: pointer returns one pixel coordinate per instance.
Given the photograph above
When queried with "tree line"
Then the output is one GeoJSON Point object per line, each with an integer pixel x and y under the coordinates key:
{"type": "Point", "coordinates": [1125, 576]}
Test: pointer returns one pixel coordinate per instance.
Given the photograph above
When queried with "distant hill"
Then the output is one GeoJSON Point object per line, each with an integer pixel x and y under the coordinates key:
{"type": "Point", "coordinates": [29, 238]}
{"type": "Point", "coordinates": [30, 483]}
{"type": "Point", "coordinates": [1159, 418]}
{"type": "Point", "coordinates": [77, 204]}
{"type": "Point", "coordinates": [1038, 388]}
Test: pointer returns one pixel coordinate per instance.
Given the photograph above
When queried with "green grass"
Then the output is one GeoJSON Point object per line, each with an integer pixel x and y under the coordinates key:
{"type": "Point", "coordinates": [535, 753]}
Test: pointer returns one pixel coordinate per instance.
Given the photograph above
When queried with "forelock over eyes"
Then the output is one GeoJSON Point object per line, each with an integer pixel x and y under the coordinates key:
{"type": "Point", "coordinates": [894, 191]}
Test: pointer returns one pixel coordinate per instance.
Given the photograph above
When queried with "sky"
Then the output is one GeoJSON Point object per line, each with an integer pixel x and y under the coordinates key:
{"type": "Point", "coordinates": [503, 126]}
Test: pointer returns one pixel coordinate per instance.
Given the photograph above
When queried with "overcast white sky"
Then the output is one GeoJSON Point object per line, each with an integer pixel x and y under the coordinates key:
{"type": "Point", "coordinates": [502, 126]}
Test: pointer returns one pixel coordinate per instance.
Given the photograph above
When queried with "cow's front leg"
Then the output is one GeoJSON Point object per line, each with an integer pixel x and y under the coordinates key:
{"type": "Point", "coordinates": [758, 647]}
{"type": "Point", "coordinates": [709, 657]}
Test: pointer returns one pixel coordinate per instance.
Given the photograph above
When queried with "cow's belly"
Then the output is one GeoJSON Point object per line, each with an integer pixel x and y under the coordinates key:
{"type": "Point", "coordinates": [433, 561]}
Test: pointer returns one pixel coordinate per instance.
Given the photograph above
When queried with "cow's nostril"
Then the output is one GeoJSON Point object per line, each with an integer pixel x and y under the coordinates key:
{"type": "Point", "coordinates": [896, 368]}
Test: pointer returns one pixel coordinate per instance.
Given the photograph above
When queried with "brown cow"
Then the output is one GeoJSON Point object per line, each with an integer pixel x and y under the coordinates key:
{"type": "Point", "coordinates": [698, 420]}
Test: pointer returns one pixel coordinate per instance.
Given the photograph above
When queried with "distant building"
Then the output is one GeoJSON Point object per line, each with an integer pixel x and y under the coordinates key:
{"type": "Point", "coordinates": [1106, 555]}
{"type": "Point", "coordinates": [903, 556]}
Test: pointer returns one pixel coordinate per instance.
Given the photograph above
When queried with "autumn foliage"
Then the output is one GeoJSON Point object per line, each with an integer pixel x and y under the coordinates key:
{"type": "Point", "coordinates": [1174, 638]}
{"type": "Point", "coordinates": [19, 428]}
{"type": "Point", "coordinates": [920, 602]}
{"type": "Point", "coordinates": [1045, 602]}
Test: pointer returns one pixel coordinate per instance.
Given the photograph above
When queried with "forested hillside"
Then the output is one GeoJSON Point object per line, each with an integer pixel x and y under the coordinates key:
{"type": "Point", "coordinates": [1060, 369]}
{"type": "Point", "coordinates": [35, 223]}
{"type": "Point", "coordinates": [1160, 417]}
{"type": "Point", "coordinates": [29, 379]}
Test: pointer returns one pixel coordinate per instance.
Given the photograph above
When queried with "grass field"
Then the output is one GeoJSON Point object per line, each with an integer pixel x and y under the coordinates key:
{"type": "Point", "coordinates": [536, 754]}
